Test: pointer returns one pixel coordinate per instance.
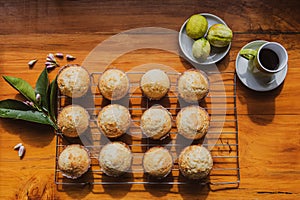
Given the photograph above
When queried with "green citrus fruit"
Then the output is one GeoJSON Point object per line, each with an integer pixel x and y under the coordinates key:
{"type": "Point", "coordinates": [201, 49]}
{"type": "Point", "coordinates": [248, 53]}
{"type": "Point", "coordinates": [196, 26]}
{"type": "Point", "coordinates": [219, 35]}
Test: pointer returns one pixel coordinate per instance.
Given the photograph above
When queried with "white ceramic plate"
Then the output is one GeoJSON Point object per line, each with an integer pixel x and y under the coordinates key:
{"type": "Point", "coordinates": [256, 82]}
{"type": "Point", "coordinates": [186, 43]}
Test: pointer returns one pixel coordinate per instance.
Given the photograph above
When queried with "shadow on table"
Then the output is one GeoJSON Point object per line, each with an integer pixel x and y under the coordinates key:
{"type": "Point", "coordinates": [81, 191]}
{"type": "Point", "coordinates": [37, 135]}
{"type": "Point", "coordinates": [192, 190]}
{"type": "Point", "coordinates": [111, 186]}
{"type": "Point", "coordinates": [157, 189]}
{"type": "Point", "coordinates": [221, 65]}
{"type": "Point", "coordinates": [258, 103]}
{"type": "Point", "coordinates": [77, 191]}
{"type": "Point", "coordinates": [117, 191]}
{"type": "Point", "coordinates": [76, 188]}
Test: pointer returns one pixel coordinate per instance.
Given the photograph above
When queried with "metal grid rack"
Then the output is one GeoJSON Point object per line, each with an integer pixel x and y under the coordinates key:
{"type": "Point", "coordinates": [221, 139]}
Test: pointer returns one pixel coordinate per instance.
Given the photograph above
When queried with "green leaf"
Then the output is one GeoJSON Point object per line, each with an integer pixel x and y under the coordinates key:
{"type": "Point", "coordinates": [53, 99]}
{"type": "Point", "coordinates": [22, 86]}
{"type": "Point", "coordinates": [14, 104]}
{"type": "Point", "coordinates": [41, 88]}
{"type": "Point", "coordinates": [16, 110]}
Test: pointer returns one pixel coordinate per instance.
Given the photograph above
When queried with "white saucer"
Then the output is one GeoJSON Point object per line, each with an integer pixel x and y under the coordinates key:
{"type": "Point", "coordinates": [186, 43]}
{"type": "Point", "coordinates": [252, 81]}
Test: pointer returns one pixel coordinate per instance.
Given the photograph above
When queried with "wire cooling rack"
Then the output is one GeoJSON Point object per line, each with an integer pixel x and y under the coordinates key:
{"type": "Point", "coordinates": [221, 139]}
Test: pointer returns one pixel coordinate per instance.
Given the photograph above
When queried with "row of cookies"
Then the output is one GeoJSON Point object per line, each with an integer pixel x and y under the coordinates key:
{"type": "Point", "coordinates": [114, 120]}
{"type": "Point", "coordinates": [115, 159]}
{"type": "Point", "coordinates": [114, 84]}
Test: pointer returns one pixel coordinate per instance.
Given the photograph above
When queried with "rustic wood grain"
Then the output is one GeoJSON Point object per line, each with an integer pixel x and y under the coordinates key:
{"type": "Point", "coordinates": [268, 122]}
{"type": "Point", "coordinates": [112, 17]}
{"type": "Point", "coordinates": [80, 45]}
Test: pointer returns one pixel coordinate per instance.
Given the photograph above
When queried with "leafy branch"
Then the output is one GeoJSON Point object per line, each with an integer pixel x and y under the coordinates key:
{"type": "Point", "coordinates": [40, 106]}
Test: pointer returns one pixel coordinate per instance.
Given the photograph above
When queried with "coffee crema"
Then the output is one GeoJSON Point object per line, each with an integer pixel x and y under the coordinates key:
{"type": "Point", "coordinates": [269, 59]}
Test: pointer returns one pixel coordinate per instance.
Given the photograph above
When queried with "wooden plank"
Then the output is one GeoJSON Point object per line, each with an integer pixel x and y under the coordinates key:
{"type": "Point", "coordinates": [283, 100]}
{"type": "Point", "coordinates": [57, 17]}
{"type": "Point", "coordinates": [269, 163]}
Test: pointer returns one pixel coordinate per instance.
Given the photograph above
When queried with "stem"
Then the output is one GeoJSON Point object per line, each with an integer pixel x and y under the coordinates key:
{"type": "Point", "coordinates": [43, 110]}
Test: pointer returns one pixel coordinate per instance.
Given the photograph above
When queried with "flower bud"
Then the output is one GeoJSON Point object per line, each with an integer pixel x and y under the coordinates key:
{"type": "Point", "coordinates": [38, 97]}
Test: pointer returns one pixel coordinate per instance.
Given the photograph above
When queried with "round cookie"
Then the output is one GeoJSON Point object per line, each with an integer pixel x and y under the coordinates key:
{"type": "Point", "coordinates": [192, 122]}
{"type": "Point", "coordinates": [114, 120]}
{"type": "Point", "coordinates": [195, 162]}
{"type": "Point", "coordinates": [73, 120]}
{"type": "Point", "coordinates": [193, 85]}
{"type": "Point", "coordinates": [74, 161]}
{"type": "Point", "coordinates": [155, 84]}
{"type": "Point", "coordinates": [73, 81]}
{"type": "Point", "coordinates": [158, 162]}
{"type": "Point", "coordinates": [113, 84]}
{"type": "Point", "coordinates": [156, 122]}
{"type": "Point", "coordinates": [115, 159]}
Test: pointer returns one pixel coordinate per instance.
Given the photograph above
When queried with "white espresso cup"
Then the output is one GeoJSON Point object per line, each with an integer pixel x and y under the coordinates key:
{"type": "Point", "coordinates": [269, 58]}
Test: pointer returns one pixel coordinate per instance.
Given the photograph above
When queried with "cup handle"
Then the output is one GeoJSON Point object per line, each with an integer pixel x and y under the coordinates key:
{"type": "Point", "coordinates": [249, 54]}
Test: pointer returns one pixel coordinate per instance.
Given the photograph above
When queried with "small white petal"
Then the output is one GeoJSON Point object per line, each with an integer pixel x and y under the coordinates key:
{"type": "Point", "coordinates": [51, 66]}
{"type": "Point", "coordinates": [49, 63]}
{"type": "Point", "coordinates": [18, 146]}
{"type": "Point", "coordinates": [50, 58]}
{"type": "Point", "coordinates": [38, 97]}
{"type": "Point", "coordinates": [32, 63]}
{"type": "Point", "coordinates": [21, 151]}
{"type": "Point", "coordinates": [28, 103]}
{"type": "Point", "coordinates": [59, 55]}
{"type": "Point", "coordinates": [70, 57]}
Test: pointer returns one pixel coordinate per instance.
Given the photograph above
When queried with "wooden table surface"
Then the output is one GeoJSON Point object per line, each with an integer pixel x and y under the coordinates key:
{"type": "Point", "coordinates": [269, 122]}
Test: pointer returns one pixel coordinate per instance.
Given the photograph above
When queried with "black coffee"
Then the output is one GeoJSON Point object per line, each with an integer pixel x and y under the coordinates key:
{"type": "Point", "coordinates": [269, 59]}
